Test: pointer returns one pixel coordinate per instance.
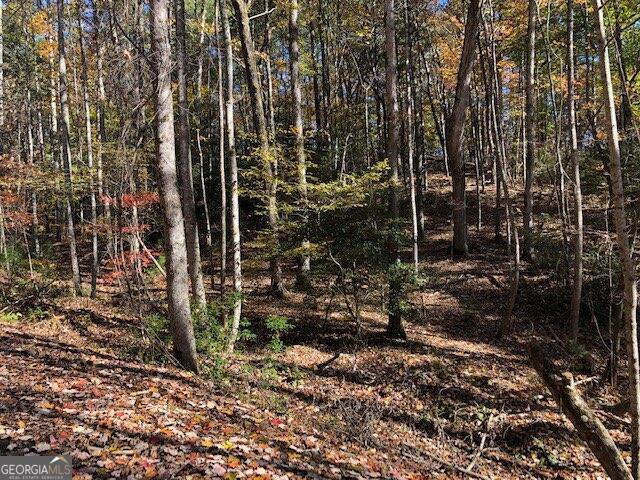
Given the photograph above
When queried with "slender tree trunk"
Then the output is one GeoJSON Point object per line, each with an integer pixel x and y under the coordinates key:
{"type": "Point", "coordinates": [304, 264]}
{"type": "Point", "coordinates": [266, 153]}
{"type": "Point", "coordinates": [530, 125]}
{"type": "Point", "coordinates": [233, 180]}
{"type": "Point", "coordinates": [271, 124]}
{"type": "Point", "coordinates": [223, 181]}
{"type": "Point", "coordinates": [185, 170]}
{"type": "Point", "coordinates": [394, 327]}
{"type": "Point", "coordinates": [410, 143]}
{"type": "Point", "coordinates": [620, 221]}
{"type": "Point", "coordinates": [89, 138]}
{"type": "Point", "coordinates": [576, 295]}
{"type": "Point", "coordinates": [3, 241]}
{"type": "Point", "coordinates": [177, 274]}
{"type": "Point", "coordinates": [201, 120]}
{"type": "Point", "coordinates": [316, 87]}
{"type": "Point", "coordinates": [455, 129]}
{"type": "Point", "coordinates": [102, 130]}
{"type": "Point", "coordinates": [66, 149]}
{"type": "Point", "coordinates": [34, 196]}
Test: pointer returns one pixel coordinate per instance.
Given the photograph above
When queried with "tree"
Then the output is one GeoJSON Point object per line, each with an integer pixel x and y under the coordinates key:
{"type": "Point", "coordinates": [576, 294]}
{"type": "Point", "coordinates": [265, 153]}
{"type": "Point", "coordinates": [410, 100]}
{"type": "Point", "coordinates": [185, 171]}
{"type": "Point", "coordinates": [89, 139]}
{"type": "Point", "coordinates": [233, 179]}
{"type": "Point", "coordinates": [394, 327]}
{"type": "Point", "coordinates": [455, 129]}
{"type": "Point", "coordinates": [628, 265]}
{"type": "Point", "coordinates": [66, 149]}
{"type": "Point", "coordinates": [177, 275]}
{"type": "Point", "coordinates": [304, 264]}
{"type": "Point", "coordinates": [530, 125]}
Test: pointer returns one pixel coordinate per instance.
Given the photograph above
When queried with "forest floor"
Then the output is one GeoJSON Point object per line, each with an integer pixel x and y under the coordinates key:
{"type": "Point", "coordinates": [452, 401]}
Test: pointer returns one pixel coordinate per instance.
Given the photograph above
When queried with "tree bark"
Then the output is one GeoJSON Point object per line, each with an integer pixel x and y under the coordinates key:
{"type": "Point", "coordinates": [304, 262]}
{"type": "Point", "coordinates": [185, 171]}
{"type": "Point", "coordinates": [588, 426]}
{"type": "Point", "coordinates": [66, 149]}
{"type": "Point", "coordinates": [410, 143]}
{"type": "Point", "coordinates": [530, 125]}
{"type": "Point", "coordinates": [576, 295]}
{"type": "Point", "coordinates": [266, 153]}
{"type": "Point", "coordinates": [624, 249]}
{"type": "Point", "coordinates": [233, 180]}
{"type": "Point", "coordinates": [394, 327]}
{"type": "Point", "coordinates": [177, 274]}
{"type": "Point", "coordinates": [89, 139]}
{"type": "Point", "coordinates": [223, 180]}
{"type": "Point", "coordinates": [455, 129]}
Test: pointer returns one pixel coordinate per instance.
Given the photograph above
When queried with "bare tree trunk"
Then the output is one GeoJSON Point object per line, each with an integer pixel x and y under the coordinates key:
{"type": "Point", "coordinates": [455, 129]}
{"type": "Point", "coordinates": [177, 275]}
{"type": "Point", "coordinates": [223, 181]}
{"type": "Point", "coordinates": [394, 327]}
{"type": "Point", "coordinates": [266, 153]}
{"type": "Point", "coordinates": [530, 125]}
{"type": "Point", "coordinates": [588, 426]}
{"type": "Point", "coordinates": [304, 264]}
{"type": "Point", "coordinates": [506, 325]}
{"type": "Point", "coordinates": [89, 138]}
{"type": "Point", "coordinates": [202, 120]}
{"type": "Point", "coordinates": [271, 124]}
{"type": "Point", "coordinates": [233, 180]}
{"type": "Point", "coordinates": [620, 221]}
{"type": "Point", "coordinates": [185, 170]}
{"type": "Point", "coordinates": [34, 196]}
{"type": "Point", "coordinates": [66, 149]}
{"type": "Point", "coordinates": [410, 144]}
{"type": "Point", "coordinates": [102, 129]}
{"type": "Point", "coordinates": [3, 242]}
{"type": "Point", "coordinates": [576, 295]}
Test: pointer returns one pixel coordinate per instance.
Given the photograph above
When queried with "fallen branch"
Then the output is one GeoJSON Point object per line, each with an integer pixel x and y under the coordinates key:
{"type": "Point", "coordinates": [435, 458]}
{"type": "Point", "coordinates": [589, 427]}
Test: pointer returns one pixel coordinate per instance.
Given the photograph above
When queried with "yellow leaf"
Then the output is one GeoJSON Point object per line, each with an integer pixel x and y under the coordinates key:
{"type": "Point", "coordinates": [227, 445]}
{"type": "Point", "coordinates": [207, 442]}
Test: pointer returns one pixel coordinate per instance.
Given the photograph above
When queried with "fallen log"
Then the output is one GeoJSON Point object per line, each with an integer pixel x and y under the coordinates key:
{"type": "Point", "coordinates": [589, 427]}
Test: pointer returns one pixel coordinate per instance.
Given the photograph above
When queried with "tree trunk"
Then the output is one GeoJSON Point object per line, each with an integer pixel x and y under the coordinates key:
{"type": "Point", "coordinates": [223, 180]}
{"type": "Point", "coordinates": [530, 125]}
{"type": "Point", "coordinates": [588, 426]}
{"type": "Point", "coordinates": [185, 171]}
{"type": "Point", "coordinates": [266, 153]}
{"type": "Point", "coordinates": [576, 295]}
{"type": "Point", "coordinates": [177, 275]}
{"type": "Point", "coordinates": [89, 138]}
{"type": "Point", "coordinates": [66, 149]}
{"type": "Point", "coordinates": [233, 180]}
{"type": "Point", "coordinates": [620, 221]}
{"type": "Point", "coordinates": [455, 129]}
{"type": "Point", "coordinates": [34, 196]}
{"type": "Point", "coordinates": [410, 143]}
{"type": "Point", "coordinates": [304, 262]}
{"type": "Point", "coordinates": [394, 327]}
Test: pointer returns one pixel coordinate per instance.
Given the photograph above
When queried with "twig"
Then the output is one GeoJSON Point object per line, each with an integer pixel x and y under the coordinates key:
{"type": "Point", "coordinates": [258, 15]}
{"type": "Point", "coordinates": [477, 454]}
{"type": "Point", "coordinates": [439, 460]}
{"type": "Point", "coordinates": [155, 262]}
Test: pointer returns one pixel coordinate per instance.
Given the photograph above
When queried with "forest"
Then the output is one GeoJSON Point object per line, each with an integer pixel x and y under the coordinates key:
{"type": "Point", "coordinates": [280, 239]}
